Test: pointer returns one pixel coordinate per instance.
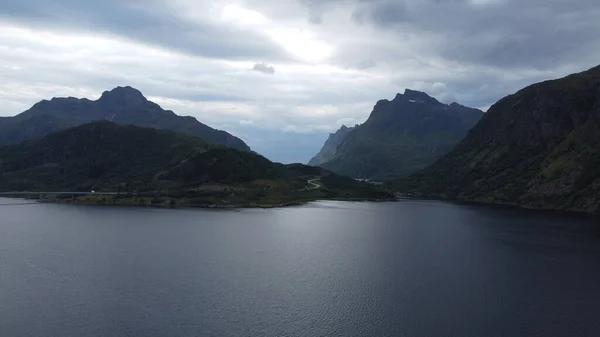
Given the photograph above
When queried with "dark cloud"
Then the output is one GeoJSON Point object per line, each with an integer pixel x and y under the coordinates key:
{"type": "Point", "coordinates": [318, 8]}
{"type": "Point", "coordinates": [478, 88]}
{"type": "Point", "coordinates": [508, 34]}
{"type": "Point", "coordinates": [470, 51]}
{"type": "Point", "coordinates": [381, 12]}
{"type": "Point", "coordinates": [264, 68]}
{"type": "Point", "coordinates": [537, 34]}
{"type": "Point", "coordinates": [151, 22]}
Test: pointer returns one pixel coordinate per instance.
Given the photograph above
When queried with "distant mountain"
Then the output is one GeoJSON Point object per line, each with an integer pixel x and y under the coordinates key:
{"type": "Point", "coordinates": [400, 137]}
{"type": "Point", "coordinates": [329, 150]}
{"type": "Point", "coordinates": [104, 156]}
{"type": "Point", "coordinates": [122, 105]}
{"type": "Point", "coordinates": [539, 147]}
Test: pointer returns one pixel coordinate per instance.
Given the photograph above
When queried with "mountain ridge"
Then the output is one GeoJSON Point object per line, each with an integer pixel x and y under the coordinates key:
{"type": "Point", "coordinates": [538, 147]}
{"type": "Point", "coordinates": [329, 149]}
{"type": "Point", "coordinates": [401, 136]}
{"type": "Point", "coordinates": [123, 105]}
{"type": "Point", "coordinates": [106, 157]}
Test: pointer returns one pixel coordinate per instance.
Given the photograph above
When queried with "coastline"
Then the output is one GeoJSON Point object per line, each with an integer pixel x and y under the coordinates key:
{"type": "Point", "coordinates": [177, 204]}
{"type": "Point", "coordinates": [511, 205]}
{"type": "Point", "coordinates": [473, 202]}
{"type": "Point", "coordinates": [211, 206]}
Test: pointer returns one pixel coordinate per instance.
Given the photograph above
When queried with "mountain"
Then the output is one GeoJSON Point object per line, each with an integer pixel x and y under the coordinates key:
{"type": "Point", "coordinates": [401, 136]}
{"type": "Point", "coordinates": [329, 149]}
{"type": "Point", "coordinates": [539, 147]}
{"type": "Point", "coordinates": [122, 105]}
{"type": "Point", "coordinates": [104, 156]}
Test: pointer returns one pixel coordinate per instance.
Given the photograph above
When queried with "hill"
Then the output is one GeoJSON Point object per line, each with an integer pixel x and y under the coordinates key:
{"type": "Point", "coordinates": [104, 156]}
{"type": "Point", "coordinates": [122, 105]}
{"type": "Point", "coordinates": [539, 147]}
{"type": "Point", "coordinates": [402, 136]}
{"type": "Point", "coordinates": [329, 149]}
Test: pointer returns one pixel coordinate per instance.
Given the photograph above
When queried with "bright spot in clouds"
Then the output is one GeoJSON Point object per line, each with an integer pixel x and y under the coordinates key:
{"type": "Point", "coordinates": [328, 61]}
{"type": "Point", "coordinates": [297, 41]}
{"type": "Point", "coordinates": [242, 16]}
{"type": "Point", "coordinates": [301, 44]}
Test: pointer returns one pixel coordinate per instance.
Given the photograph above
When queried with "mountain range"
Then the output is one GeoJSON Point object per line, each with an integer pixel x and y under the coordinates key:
{"type": "Point", "coordinates": [539, 147]}
{"type": "Point", "coordinates": [104, 156]}
{"type": "Point", "coordinates": [122, 105]}
{"type": "Point", "coordinates": [400, 137]}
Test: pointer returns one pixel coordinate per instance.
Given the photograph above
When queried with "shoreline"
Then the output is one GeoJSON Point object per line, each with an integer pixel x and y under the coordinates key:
{"type": "Point", "coordinates": [500, 204]}
{"type": "Point", "coordinates": [208, 206]}
{"type": "Point", "coordinates": [304, 202]}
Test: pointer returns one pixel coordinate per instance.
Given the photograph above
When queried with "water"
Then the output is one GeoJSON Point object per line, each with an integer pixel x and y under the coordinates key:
{"type": "Point", "coordinates": [326, 269]}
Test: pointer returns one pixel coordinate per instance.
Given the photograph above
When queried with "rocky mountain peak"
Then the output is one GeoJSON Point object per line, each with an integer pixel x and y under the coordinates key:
{"type": "Point", "coordinates": [399, 137]}
{"type": "Point", "coordinates": [417, 96]}
{"type": "Point", "coordinates": [122, 105]}
{"type": "Point", "coordinates": [123, 96]}
{"type": "Point", "coordinates": [330, 147]}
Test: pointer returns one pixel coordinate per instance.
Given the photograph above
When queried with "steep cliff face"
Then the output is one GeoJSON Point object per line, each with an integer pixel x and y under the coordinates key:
{"type": "Point", "coordinates": [402, 136]}
{"type": "Point", "coordinates": [122, 105]}
{"type": "Point", "coordinates": [539, 147]}
{"type": "Point", "coordinates": [329, 149]}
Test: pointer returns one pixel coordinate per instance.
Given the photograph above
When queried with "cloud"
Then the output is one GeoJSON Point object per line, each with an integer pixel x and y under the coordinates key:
{"type": "Point", "coordinates": [264, 68]}
{"type": "Point", "coordinates": [316, 19]}
{"type": "Point", "coordinates": [154, 22]}
{"type": "Point", "coordinates": [512, 34]}
{"type": "Point", "coordinates": [384, 13]}
{"type": "Point", "coordinates": [335, 58]}
{"type": "Point", "coordinates": [366, 64]}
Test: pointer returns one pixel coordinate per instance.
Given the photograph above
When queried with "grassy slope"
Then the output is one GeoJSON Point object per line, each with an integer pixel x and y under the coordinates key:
{"type": "Point", "coordinates": [537, 148]}
{"type": "Point", "coordinates": [103, 156]}
{"type": "Point", "coordinates": [401, 137]}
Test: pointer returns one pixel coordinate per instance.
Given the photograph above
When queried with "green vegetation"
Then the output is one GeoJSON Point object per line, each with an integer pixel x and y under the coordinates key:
{"type": "Point", "coordinates": [400, 137]}
{"type": "Point", "coordinates": [537, 148]}
{"type": "Point", "coordinates": [162, 168]}
{"type": "Point", "coordinates": [554, 167]}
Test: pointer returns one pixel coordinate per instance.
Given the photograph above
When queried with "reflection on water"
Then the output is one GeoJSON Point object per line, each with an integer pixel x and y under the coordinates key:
{"type": "Point", "coordinates": [413, 268]}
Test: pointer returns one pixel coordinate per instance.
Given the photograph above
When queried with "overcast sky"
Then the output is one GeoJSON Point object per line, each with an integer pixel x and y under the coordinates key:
{"type": "Point", "coordinates": [282, 74]}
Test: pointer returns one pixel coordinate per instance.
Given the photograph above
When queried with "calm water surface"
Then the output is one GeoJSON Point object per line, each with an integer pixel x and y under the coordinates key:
{"type": "Point", "coordinates": [412, 268]}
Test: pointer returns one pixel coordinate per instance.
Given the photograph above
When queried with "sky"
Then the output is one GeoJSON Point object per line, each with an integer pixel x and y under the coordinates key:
{"type": "Point", "coordinates": [283, 74]}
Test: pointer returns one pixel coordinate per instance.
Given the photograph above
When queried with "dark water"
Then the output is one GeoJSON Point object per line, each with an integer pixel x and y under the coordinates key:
{"type": "Point", "coordinates": [326, 269]}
